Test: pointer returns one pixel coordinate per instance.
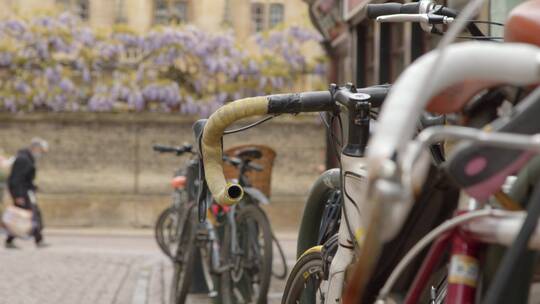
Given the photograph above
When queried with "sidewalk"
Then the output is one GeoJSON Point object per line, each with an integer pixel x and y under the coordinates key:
{"type": "Point", "coordinates": [105, 266]}
{"type": "Point", "coordinates": [83, 268]}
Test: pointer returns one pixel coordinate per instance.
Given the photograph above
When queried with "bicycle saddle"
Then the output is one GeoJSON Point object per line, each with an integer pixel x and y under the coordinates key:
{"type": "Point", "coordinates": [249, 153]}
{"type": "Point", "coordinates": [482, 170]}
{"type": "Point", "coordinates": [523, 23]}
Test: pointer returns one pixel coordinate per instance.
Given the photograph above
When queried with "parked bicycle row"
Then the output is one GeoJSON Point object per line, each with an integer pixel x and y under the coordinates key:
{"type": "Point", "coordinates": [225, 252]}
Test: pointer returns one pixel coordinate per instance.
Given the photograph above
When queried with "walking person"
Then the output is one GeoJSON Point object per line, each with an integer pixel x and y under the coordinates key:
{"type": "Point", "coordinates": [22, 189]}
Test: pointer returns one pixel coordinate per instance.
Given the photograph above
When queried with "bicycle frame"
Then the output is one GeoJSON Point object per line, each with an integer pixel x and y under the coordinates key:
{"type": "Point", "coordinates": [468, 241]}
{"type": "Point", "coordinates": [468, 238]}
{"type": "Point", "coordinates": [353, 174]}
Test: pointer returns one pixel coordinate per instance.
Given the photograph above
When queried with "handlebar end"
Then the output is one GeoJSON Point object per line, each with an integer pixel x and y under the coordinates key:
{"type": "Point", "coordinates": [231, 195]}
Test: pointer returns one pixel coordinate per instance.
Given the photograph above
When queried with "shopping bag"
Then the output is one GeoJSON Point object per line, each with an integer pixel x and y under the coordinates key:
{"type": "Point", "coordinates": [18, 221]}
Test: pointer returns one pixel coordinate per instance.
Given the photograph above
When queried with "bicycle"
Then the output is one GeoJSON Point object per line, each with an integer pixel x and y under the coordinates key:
{"type": "Point", "coordinates": [235, 244]}
{"type": "Point", "coordinates": [166, 227]}
{"type": "Point", "coordinates": [406, 158]}
{"type": "Point", "coordinates": [356, 103]}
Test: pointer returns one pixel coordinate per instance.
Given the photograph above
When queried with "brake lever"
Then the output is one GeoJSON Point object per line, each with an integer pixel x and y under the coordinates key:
{"type": "Point", "coordinates": [420, 18]}
{"type": "Point", "coordinates": [426, 20]}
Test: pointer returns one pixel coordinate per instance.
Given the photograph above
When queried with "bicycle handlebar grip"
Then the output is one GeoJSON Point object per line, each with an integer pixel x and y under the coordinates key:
{"type": "Point", "coordinates": [319, 101]}
{"type": "Point", "coordinates": [163, 149]}
{"type": "Point", "coordinates": [391, 8]}
{"type": "Point", "coordinates": [448, 12]}
{"type": "Point", "coordinates": [226, 193]}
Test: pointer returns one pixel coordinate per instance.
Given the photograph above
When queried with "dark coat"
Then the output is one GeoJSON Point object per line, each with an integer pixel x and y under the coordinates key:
{"type": "Point", "coordinates": [23, 172]}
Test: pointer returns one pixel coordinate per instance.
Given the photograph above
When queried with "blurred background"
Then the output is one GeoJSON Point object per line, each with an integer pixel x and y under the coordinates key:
{"type": "Point", "coordinates": [103, 80]}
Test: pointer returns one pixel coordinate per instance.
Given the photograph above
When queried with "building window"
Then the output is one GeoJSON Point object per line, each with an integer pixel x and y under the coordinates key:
{"type": "Point", "coordinates": [160, 11]}
{"type": "Point", "coordinates": [276, 14]}
{"type": "Point", "coordinates": [79, 7]}
{"type": "Point", "coordinates": [266, 16]}
{"type": "Point", "coordinates": [166, 11]}
{"type": "Point", "coordinates": [64, 4]}
{"type": "Point", "coordinates": [257, 17]}
{"type": "Point", "coordinates": [179, 11]}
{"type": "Point", "coordinates": [82, 9]}
{"type": "Point", "coordinates": [120, 9]}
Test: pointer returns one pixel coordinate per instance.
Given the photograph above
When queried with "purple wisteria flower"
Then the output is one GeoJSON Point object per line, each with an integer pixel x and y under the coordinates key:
{"type": "Point", "coordinates": [56, 63]}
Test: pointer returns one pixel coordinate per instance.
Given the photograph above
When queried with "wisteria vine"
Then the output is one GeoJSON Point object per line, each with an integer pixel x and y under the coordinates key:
{"type": "Point", "coordinates": [55, 63]}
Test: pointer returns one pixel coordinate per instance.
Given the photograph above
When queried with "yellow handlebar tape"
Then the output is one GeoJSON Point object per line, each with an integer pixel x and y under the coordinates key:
{"type": "Point", "coordinates": [226, 193]}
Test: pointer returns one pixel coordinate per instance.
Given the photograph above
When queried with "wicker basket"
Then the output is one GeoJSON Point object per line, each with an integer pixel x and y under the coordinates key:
{"type": "Point", "coordinates": [259, 179]}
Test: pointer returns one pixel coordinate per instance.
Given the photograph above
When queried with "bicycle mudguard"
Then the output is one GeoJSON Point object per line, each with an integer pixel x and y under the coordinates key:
{"type": "Point", "coordinates": [322, 189]}
{"type": "Point", "coordinates": [519, 290]}
{"type": "Point", "coordinates": [482, 170]}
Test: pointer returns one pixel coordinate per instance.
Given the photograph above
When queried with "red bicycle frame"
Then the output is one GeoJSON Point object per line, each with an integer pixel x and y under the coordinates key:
{"type": "Point", "coordinates": [463, 272]}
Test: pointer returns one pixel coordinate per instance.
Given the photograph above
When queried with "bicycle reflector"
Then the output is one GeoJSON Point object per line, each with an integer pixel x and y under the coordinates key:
{"type": "Point", "coordinates": [179, 182]}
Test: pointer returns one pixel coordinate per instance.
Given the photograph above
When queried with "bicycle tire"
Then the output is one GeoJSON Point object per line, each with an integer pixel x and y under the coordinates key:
{"type": "Point", "coordinates": [159, 230]}
{"type": "Point", "coordinates": [309, 266]}
{"type": "Point", "coordinates": [229, 290]}
{"type": "Point", "coordinates": [184, 263]}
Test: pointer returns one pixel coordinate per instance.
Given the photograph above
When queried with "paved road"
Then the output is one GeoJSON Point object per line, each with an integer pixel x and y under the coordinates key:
{"type": "Point", "coordinates": [95, 267]}
{"type": "Point", "coordinates": [102, 267]}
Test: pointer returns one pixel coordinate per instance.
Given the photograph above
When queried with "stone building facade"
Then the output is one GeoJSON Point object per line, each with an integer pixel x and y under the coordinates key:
{"type": "Point", "coordinates": [245, 17]}
{"type": "Point", "coordinates": [102, 171]}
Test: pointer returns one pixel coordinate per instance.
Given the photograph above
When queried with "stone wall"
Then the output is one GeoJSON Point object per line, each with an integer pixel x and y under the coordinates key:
{"type": "Point", "coordinates": [101, 169]}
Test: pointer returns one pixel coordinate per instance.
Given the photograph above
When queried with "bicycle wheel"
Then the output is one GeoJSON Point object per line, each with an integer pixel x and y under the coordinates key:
{"type": "Point", "coordinates": [250, 261]}
{"type": "Point", "coordinates": [184, 261]}
{"type": "Point", "coordinates": [305, 279]}
{"type": "Point", "coordinates": [166, 230]}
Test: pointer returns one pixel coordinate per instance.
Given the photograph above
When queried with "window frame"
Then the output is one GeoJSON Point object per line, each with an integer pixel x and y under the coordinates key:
{"type": "Point", "coordinates": [170, 12]}
{"type": "Point", "coordinates": [82, 9]}
{"type": "Point", "coordinates": [271, 14]}
{"type": "Point", "coordinates": [258, 19]}
{"type": "Point", "coordinates": [120, 11]}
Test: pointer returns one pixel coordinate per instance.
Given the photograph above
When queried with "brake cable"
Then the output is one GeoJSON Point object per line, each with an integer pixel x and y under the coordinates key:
{"type": "Point", "coordinates": [258, 122]}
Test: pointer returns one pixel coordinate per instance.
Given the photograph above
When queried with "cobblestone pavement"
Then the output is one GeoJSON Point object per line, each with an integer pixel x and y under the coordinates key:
{"type": "Point", "coordinates": [103, 267]}
{"type": "Point", "coordinates": [95, 267]}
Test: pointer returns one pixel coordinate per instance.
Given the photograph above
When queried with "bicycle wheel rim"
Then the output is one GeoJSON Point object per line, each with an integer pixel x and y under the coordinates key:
{"type": "Point", "coordinates": [304, 283]}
